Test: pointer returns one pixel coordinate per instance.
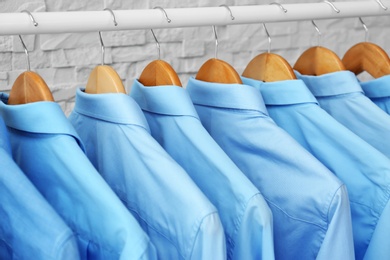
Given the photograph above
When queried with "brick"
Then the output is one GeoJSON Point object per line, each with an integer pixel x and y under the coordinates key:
{"type": "Point", "coordinates": [73, 5]}
{"type": "Point", "coordinates": [123, 5]}
{"type": "Point", "coordinates": [166, 35]}
{"type": "Point", "coordinates": [134, 53]}
{"type": "Point", "coordinates": [5, 61]}
{"type": "Point", "coordinates": [82, 40]}
{"type": "Point", "coordinates": [68, 40]}
{"type": "Point", "coordinates": [6, 43]}
{"type": "Point", "coordinates": [193, 48]}
{"type": "Point", "coordinates": [38, 60]}
{"type": "Point", "coordinates": [79, 57]}
{"type": "Point", "coordinates": [29, 41]}
{"type": "Point", "coordinates": [15, 6]}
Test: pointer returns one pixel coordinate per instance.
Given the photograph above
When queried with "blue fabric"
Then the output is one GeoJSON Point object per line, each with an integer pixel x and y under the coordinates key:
{"type": "Point", "coordinates": [46, 147]}
{"type": "Point", "coordinates": [29, 226]}
{"type": "Point", "coordinates": [179, 219]}
{"type": "Point", "coordinates": [310, 205]}
{"type": "Point", "coordinates": [378, 90]}
{"type": "Point", "coordinates": [360, 166]}
{"type": "Point", "coordinates": [245, 215]}
{"type": "Point", "coordinates": [340, 94]}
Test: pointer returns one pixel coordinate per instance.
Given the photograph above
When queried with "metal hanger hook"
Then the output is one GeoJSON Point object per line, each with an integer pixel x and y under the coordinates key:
{"type": "Point", "coordinates": [100, 34]}
{"type": "Point", "coordinates": [25, 51]}
{"type": "Point", "coordinates": [269, 38]}
{"type": "Point", "coordinates": [165, 13]}
{"type": "Point", "coordinates": [31, 17]}
{"type": "Point", "coordinates": [281, 6]}
{"type": "Point", "coordinates": [381, 4]}
{"type": "Point", "coordinates": [216, 42]}
{"type": "Point", "coordinates": [102, 47]}
{"type": "Point", "coordinates": [332, 5]}
{"type": "Point", "coordinates": [112, 14]}
{"type": "Point", "coordinates": [230, 11]}
{"type": "Point", "coordinates": [157, 43]}
{"type": "Point", "coordinates": [318, 31]}
{"type": "Point", "coordinates": [21, 39]}
{"type": "Point", "coordinates": [365, 29]}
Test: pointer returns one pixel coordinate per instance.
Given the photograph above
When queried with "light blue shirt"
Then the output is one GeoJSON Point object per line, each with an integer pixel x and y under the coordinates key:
{"type": "Point", "coordinates": [46, 147]}
{"type": "Point", "coordinates": [179, 219]}
{"type": "Point", "coordinates": [340, 94]}
{"type": "Point", "coordinates": [29, 227]}
{"type": "Point", "coordinates": [174, 123]}
{"type": "Point", "coordinates": [310, 205]}
{"type": "Point", "coordinates": [360, 166]}
{"type": "Point", "coordinates": [378, 90]}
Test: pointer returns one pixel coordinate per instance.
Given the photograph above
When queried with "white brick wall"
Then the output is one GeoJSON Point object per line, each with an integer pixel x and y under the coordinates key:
{"type": "Point", "coordinates": [65, 60]}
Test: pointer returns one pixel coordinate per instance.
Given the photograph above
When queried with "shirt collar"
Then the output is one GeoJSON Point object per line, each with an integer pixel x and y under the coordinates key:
{"type": "Point", "coordinates": [284, 92]}
{"type": "Point", "coordinates": [112, 107]}
{"type": "Point", "coordinates": [237, 96]}
{"type": "Point", "coordinates": [166, 100]}
{"type": "Point", "coordinates": [377, 88]}
{"type": "Point", "coordinates": [331, 84]}
{"type": "Point", "coordinates": [42, 117]}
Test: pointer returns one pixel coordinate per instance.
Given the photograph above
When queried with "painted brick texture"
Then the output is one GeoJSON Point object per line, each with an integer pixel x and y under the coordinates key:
{"type": "Point", "coordinates": [65, 60]}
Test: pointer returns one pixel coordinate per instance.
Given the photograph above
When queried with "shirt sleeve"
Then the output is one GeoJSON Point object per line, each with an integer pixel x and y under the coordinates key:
{"type": "Point", "coordinates": [338, 241]}
{"type": "Point", "coordinates": [379, 247]}
{"type": "Point", "coordinates": [255, 237]}
{"type": "Point", "coordinates": [210, 239]}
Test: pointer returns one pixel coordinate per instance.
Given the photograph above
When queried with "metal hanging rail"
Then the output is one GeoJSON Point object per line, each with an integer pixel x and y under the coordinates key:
{"type": "Point", "coordinates": [88, 21]}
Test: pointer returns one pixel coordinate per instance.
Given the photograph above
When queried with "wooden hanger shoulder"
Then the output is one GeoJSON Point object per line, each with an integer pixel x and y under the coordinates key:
{"type": "Point", "coordinates": [218, 71]}
{"type": "Point", "coordinates": [269, 67]}
{"type": "Point", "coordinates": [369, 57]}
{"type": "Point", "coordinates": [104, 79]}
{"type": "Point", "coordinates": [29, 87]}
{"type": "Point", "coordinates": [159, 73]}
{"type": "Point", "coordinates": [317, 61]}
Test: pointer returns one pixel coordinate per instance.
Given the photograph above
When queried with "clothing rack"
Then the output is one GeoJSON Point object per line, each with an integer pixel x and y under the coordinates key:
{"type": "Point", "coordinates": [90, 21]}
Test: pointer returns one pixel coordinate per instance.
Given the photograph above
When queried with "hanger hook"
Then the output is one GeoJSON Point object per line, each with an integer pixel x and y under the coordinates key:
{"type": "Point", "coordinates": [230, 11]}
{"type": "Point", "coordinates": [332, 5]}
{"type": "Point", "coordinates": [318, 31]}
{"type": "Point", "coordinates": [154, 36]}
{"type": "Point", "coordinates": [25, 51]}
{"type": "Point", "coordinates": [31, 17]}
{"type": "Point", "coordinates": [381, 4]}
{"type": "Point", "coordinates": [157, 43]}
{"type": "Point", "coordinates": [21, 39]}
{"type": "Point", "coordinates": [165, 13]}
{"type": "Point", "coordinates": [365, 29]}
{"type": "Point", "coordinates": [100, 34]}
{"type": "Point", "coordinates": [281, 6]}
{"type": "Point", "coordinates": [112, 14]}
{"type": "Point", "coordinates": [269, 38]}
{"type": "Point", "coordinates": [216, 42]}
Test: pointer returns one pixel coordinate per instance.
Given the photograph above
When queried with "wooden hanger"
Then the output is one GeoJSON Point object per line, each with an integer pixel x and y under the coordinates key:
{"type": "Point", "coordinates": [369, 57]}
{"type": "Point", "coordinates": [159, 73]}
{"type": "Point", "coordinates": [218, 71]}
{"type": "Point", "coordinates": [29, 87]}
{"type": "Point", "coordinates": [269, 67]}
{"type": "Point", "coordinates": [104, 79]}
{"type": "Point", "coordinates": [317, 61]}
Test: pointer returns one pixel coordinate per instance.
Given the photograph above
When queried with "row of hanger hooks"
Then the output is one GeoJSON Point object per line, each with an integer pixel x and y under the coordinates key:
{"type": "Point", "coordinates": [334, 8]}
